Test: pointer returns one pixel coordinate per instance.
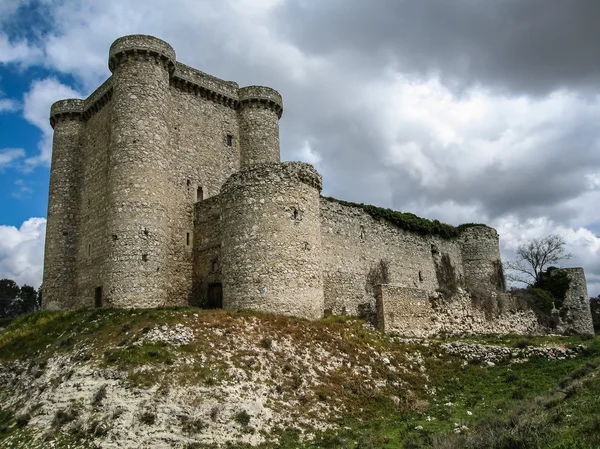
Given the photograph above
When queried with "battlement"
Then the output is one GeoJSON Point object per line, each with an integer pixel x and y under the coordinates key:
{"type": "Point", "coordinates": [260, 96]}
{"type": "Point", "coordinates": [274, 173]}
{"type": "Point", "coordinates": [71, 109]}
{"type": "Point", "coordinates": [140, 45]}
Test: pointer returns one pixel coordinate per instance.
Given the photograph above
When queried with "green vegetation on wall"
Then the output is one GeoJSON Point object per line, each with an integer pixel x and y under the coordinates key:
{"type": "Point", "coordinates": [407, 221]}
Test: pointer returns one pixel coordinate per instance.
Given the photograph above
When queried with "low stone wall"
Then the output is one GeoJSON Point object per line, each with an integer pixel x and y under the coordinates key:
{"type": "Point", "coordinates": [421, 313]}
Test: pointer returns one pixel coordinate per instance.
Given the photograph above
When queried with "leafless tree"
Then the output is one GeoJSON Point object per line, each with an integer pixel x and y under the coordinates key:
{"type": "Point", "coordinates": [534, 257]}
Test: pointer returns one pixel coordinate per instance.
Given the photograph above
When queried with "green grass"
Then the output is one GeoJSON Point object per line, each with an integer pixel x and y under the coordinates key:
{"type": "Point", "coordinates": [539, 403]}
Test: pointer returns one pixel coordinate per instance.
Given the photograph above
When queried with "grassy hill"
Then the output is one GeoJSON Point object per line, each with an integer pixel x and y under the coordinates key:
{"type": "Point", "coordinates": [193, 378]}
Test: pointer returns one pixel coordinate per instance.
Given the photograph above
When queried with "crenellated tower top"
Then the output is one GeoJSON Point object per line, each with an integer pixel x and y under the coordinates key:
{"type": "Point", "coordinates": [70, 109]}
{"type": "Point", "coordinates": [141, 45]}
{"type": "Point", "coordinates": [261, 97]}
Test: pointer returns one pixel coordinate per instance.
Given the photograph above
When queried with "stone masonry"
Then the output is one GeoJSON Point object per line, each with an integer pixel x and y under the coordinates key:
{"type": "Point", "coordinates": [166, 188]}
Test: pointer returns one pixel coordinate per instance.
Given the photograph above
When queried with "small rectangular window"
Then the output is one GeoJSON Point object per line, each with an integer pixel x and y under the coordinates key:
{"type": "Point", "coordinates": [187, 239]}
{"type": "Point", "coordinates": [229, 140]}
{"type": "Point", "coordinates": [98, 297]}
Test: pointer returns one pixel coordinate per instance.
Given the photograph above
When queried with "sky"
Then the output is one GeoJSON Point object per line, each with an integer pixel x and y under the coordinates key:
{"type": "Point", "coordinates": [462, 111]}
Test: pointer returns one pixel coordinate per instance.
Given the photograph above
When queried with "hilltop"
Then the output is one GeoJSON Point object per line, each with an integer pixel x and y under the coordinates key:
{"type": "Point", "coordinates": [194, 378]}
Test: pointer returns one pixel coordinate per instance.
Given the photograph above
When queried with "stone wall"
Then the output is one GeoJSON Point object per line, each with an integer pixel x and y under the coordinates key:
{"type": "Point", "coordinates": [360, 252]}
{"type": "Point", "coordinates": [271, 243]}
{"type": "Point", "coordinates": [481, 259]}
{"type": "Point", "coordinates": [576, 315]}
{"type": "Point", "coordinates": [200, 159]}
{"type": "Point", "coordinates": [93, 244]}
{"type": "Point", "coordinates": [207, 249]}
{"type": "Point", "coordinates": [419, 313]}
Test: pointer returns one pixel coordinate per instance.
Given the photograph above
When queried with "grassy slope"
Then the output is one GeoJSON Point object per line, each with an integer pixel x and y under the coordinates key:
{"type": "Point", "coordinates": [402, 402]}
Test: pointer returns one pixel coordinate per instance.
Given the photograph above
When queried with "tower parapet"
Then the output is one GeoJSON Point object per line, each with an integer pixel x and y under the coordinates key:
{"type": "Point", "coordinates": [141, 46]}
{"type": "Point", "coordinates": [138, 183]}
{"type": "Point", "coordinates": [271, 240]}
{"type": "Point", "coordinates": [260, 109]}
{"type": "Point", "coordinates": [63, 205]}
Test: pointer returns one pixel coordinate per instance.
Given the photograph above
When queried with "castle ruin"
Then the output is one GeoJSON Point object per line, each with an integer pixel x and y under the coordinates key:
{"type": "Point", "coordinates": [166, 189]}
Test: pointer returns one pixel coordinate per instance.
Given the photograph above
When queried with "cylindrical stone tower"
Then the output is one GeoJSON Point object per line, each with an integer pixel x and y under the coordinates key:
{"type": "Point", "coordinates": [577, 318]}
{"type": "Point", "coordinates": [259, 114]}
{"type": "Point", "coordinates": [63, 206]}
{"type": "Point", "coordinates": [480, 249]}
{"type": "Point", "coordinates": [137, 219]}
{"type": "Point", "coordinates": [271, 240]}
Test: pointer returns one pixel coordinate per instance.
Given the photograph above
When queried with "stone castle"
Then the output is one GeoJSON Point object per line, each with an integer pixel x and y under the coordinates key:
{"type": "Point", "coordinates": [166, 188]}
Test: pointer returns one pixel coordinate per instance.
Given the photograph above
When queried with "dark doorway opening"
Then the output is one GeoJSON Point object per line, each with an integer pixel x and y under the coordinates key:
{"type": "Point", "coordinates": [98, 297]}
{"type": "Point", "coordinates": [214, 298]}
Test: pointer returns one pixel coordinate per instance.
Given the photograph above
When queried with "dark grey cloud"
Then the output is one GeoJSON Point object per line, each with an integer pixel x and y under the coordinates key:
{"type": "Point", "coordinates": [525, 46]}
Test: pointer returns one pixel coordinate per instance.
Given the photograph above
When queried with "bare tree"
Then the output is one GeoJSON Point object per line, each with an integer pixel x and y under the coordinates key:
{"type": "Point", "coordinates": [534, 257]}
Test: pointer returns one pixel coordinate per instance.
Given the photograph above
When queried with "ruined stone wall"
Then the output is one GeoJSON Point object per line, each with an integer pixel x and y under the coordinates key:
{"type": "Point", "coordinates": [207, 249]}
{"type": "Point", "coordinates": [271, 242]}
{"type": "Point", "coordinates": [421, 313]}
{"type": "Point", "coordinates": [577, 316]}
{"type": "Point", "coordinates": [63, 205]}
{"type": "Point", "coordinates": [360, 252]}
{"type": "Point", "coordinates": [481, 259]}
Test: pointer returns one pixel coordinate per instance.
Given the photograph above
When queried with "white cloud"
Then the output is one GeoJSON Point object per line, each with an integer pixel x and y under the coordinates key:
{"type": "Point", "coordinates": [21, 52]}
{"type": "Point", "coordinates": [36, 110]}
{"type": "Point", "coordinates": [9, 155]}
{"type": "Point", "coordinates": [8, 105]}
{"type": "Point", "coordinates": [22, 252]}
{"type": "Point", "coordinates": [581, 242]}
{"type": "Point", "coordinates": [22, 190]}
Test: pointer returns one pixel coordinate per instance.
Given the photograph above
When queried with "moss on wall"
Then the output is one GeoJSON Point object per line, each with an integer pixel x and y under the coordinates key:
{"type": "Point", "coordinates": [407, 221]}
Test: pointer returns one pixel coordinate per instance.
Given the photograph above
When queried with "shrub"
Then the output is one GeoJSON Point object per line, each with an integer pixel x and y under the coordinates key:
{"type": "Point", "coordinates": [242, 418]}
{"type": "Point", "coordinates": [523, 343]}
{"type": "Point", "coordinates": [543, 299]}
{"type": "Point", "coordinates": [266, 343]}
{"type": "Point", "coordinates": [64, 416]}
{"type": "Point", "coordinates": [22, 419]}
{"type": "Point", "coordinates": [99, 396]}
{"type": "Point", "coordinates": [148, 418]}
{"type": "Point", "coordinates": [556, 282]}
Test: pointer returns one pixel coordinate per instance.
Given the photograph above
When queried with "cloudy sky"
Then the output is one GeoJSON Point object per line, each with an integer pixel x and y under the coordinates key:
{"type": "Point", "coordinates": [463, 110]}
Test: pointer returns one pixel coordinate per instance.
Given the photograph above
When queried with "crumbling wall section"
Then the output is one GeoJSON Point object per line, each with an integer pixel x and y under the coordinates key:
{"type": "Point", "coordinates": [576, 316]}
{"type": "Point", "coordinates": [360, 252]}
{"type": "Point", "coordinates": [419, 313]}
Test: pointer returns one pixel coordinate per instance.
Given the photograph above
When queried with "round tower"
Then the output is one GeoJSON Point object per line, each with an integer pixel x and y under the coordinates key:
{"type": "Point", "coordinates": [63, 206]}
{"type": "Point", "coordinates": [259, 113]}
{"type": "Point", "coordinates": [137, 216]}
{"type": "Point", "coordinates": [271, 240]}
{"type": "Point", "coordinates": [482, 266]}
